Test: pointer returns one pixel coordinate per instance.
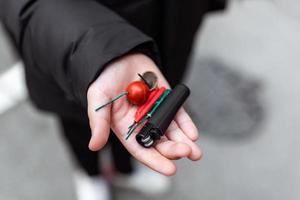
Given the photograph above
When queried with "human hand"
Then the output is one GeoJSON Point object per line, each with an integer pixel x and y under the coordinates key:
{"type": "Point", "coordinates": [179, 139]}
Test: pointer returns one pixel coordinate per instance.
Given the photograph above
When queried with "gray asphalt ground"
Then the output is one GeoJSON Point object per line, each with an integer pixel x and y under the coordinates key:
{"type": "Point", "coordinates": [245, 98]}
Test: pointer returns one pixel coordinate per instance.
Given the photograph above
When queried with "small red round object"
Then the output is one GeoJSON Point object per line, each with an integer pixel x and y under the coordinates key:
{"type": "Point", "coordinates": [138, 92]}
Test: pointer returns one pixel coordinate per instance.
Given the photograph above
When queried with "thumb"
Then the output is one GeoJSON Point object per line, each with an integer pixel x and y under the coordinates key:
{"type": "Point", "coordinates": [100, 120]}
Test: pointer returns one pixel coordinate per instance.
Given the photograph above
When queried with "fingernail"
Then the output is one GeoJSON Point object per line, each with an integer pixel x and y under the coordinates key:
{"type": "Point", "coordinates": [91, 144]}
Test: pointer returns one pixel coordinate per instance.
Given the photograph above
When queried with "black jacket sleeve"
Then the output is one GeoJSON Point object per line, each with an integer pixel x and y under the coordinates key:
{"type": "Point", "coordinates": [70, 40]}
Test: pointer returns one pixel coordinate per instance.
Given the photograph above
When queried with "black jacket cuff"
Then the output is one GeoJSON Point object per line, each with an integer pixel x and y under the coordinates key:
{"type": "Point", "coordinates": [97, 49]}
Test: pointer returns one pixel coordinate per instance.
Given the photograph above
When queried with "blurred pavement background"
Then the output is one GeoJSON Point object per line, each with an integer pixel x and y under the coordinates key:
{"type": "Point", "coordinates": [245, 99]}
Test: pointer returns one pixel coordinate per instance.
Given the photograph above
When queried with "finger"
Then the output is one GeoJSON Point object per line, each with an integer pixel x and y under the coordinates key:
{"type": "Point", "coordinates": [173, 150]}
{"type": "Point", "coordinates": [174, 133]}
{"type": "Point", "coordinates": [154, 160]}
{"type": "Point", "coordinates": [187, 125]}
{"type": "Point", "coordinates": [150, 157]}
{"type": "Point", "coordinates": [100, 120]}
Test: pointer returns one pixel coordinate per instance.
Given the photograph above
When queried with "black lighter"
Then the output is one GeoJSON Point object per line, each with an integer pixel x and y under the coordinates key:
{"type": "Point", "coordinates": [155, 128]}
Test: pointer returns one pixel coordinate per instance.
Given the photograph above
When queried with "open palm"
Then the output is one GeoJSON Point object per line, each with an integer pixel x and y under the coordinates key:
{"type": "Point", "coordinates": [178, 141]}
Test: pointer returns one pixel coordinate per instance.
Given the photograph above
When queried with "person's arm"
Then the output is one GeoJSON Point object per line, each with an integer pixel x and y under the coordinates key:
{"type": "Point", "coordinates": [70, 40]}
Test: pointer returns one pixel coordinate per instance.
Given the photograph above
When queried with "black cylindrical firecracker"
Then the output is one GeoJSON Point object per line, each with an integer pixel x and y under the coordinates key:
{"type": "Point", "coordinates": [160, 121]}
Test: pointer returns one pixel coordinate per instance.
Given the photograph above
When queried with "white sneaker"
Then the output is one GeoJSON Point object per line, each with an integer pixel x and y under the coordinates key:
{"type": "Point", "coordinates": [91, 188]}
{"type": "Point", "coordinates": [143, 180]}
